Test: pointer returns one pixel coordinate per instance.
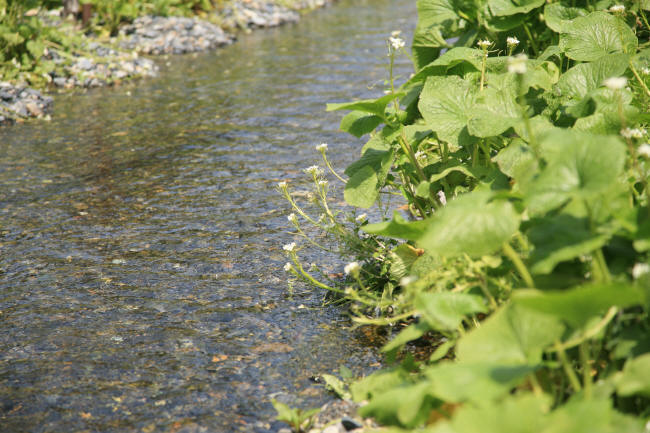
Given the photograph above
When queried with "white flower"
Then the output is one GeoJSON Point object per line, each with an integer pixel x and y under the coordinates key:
{"type": "Point", "coordinates": [323, 183]}
{"type": "Point", "coordinates": [517, 64]}
{"type": "Point", "coordinates": [645, 71]}
{"type": "Point", "coordinates": [288, 267]}
{"type": "Point", "coordinates": [407, 280]}
{"type": "Point", "coordinates": [322, 147]}
{"type": "Point", "coordinates": [615, 83]}
{"type": "Point", "coordinates": [352, 268]}
{"type": "Point", "coordinates": [289, 247]}
{"type": "Point", "coordinates": [640, 269]}
{"type": "Point", "coordinates": [485, 44]}
{"type": "Point", "coordinates": [420, 155]}
{"type": "Point", "coordinates": [292, 218]}
{"type": "Point", "coordinates": [512, 41]}
{"type": "Point", "coordinates": [282, 185]}
{"type": "Point", "coordinates": [442, 197]}
{"type": "Point", "coordinates": [632, 133]}
{"type": "Point", "coordinates": [396, 33]}
{"type": "Point", "coordinates": [617, 9]}
{"type": "Point", "coordinates": [361, 218]}
{"type": "Point", "coordinates": [314, 170]}
{"type": "Point", "coordinates": [396, 43]}
{"type": "Point", "coordinates": [644, 150]}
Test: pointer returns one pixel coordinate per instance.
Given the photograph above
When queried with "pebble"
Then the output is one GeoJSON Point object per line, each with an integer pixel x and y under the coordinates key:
{"type": "Point", "coordinates": [172, 35]}
{"type": "Point", "coordinates": [17, 101]}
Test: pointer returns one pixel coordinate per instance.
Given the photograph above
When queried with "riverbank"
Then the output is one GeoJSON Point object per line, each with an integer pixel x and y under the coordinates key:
{"type": "Point", "coordinates": [97, 62]}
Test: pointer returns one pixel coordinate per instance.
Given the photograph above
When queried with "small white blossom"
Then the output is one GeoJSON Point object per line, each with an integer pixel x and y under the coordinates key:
{"type": "Point", "coordinates": [288, 267]}
{"type": "Point", "coordinates": [289, 247]}
{"type": "Point", "coordinates": [639, 270]}
{"type": "Point", "coordinates": [292, 218]}
{"type": "Point", "coordinates": [512, 41]}
{"type": "Point", "coordinates": [407, 280]}
{"type": "Point", "coordinates": [617, 9]}
{"type": "Point", "coordinates": [282, 185]}
{"type": "Point", "coordinates": [645, 71]}
{"type": "Point", "coordinates": [396, 33]}
{"type": "Point", "coordinates": [314, 170]}
{"type": "Point", "coordinates": [420, 155]}
{"type": "Point", "coordinates": [632, 133]}
{"type": "Point", "coordinates": [615, 83]}
{"type": "Point", "coordinates": [396, 43]}
{"type": "Point", "coordinates": [442, 197]}
{"type": "Point", "coordinates": [322, 147]}
{"type": "Point", "coordinates": [485, 44]}
{"type": "Point", "coordinates": [352, 268]}
{"type": "Point", "coordinates": [517, 64]}
{"type": "Point", "coordinates": [644, 150]}
{"type": "Point", "coordinates": [323, 183]}
{"type": "Point", "coordinates": [361, 218]}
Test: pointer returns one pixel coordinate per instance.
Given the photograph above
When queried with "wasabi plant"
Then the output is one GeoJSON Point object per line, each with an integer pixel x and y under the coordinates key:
{"type": "Point", "coordinates": [518, 255]}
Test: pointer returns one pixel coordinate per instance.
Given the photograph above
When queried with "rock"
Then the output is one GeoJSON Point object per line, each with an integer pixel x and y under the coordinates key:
{"type": "Point", "coordinates": [34, 109]}
{"type": "Point", "coordinates": [350, 424]}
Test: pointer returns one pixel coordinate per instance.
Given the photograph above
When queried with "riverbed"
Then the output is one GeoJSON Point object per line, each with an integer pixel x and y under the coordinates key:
{"type": "Point", "coordinates": [141, 236]}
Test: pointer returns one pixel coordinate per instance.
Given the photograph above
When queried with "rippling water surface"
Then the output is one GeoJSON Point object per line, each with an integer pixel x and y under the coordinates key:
{"type": "Point", "coordinates": [141, 282]}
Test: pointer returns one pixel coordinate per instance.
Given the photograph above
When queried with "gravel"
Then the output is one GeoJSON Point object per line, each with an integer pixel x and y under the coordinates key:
{"type": "Point", "coordinates": [17, 102]}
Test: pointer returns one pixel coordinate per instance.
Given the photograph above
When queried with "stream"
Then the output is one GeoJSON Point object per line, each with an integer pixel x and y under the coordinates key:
{"type": "Point", "coordinates": [141, 236]}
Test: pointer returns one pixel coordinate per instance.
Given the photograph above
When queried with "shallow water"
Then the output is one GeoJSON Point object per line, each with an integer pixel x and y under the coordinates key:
{"type": "Point", "coordinates": [141, 236]}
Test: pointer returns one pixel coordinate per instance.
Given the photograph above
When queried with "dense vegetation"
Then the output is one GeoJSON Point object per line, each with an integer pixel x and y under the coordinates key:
{"type": "Point", "coordinates": [26, 33]}
{"type": "Point", "coordinates": [521, 264]}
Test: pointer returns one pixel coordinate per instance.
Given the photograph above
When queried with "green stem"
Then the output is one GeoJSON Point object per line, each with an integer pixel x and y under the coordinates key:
{"type": "Point", "coordinates": [531, 39]}
{"type": "Point", "coordinates": [638, 78]}
{"type": "Point", "coordinates": [586, 368]}
{"type": "Point", "coordinates": [519, 264]}
{"type": "Point", "coordinates": [602, 264]}
{"type": "Point", "coordinates": [327, 163]}
{"type": "Point", "coordinates": [483, 65]}
{"type": "Point", "coordinates": [568, 369]}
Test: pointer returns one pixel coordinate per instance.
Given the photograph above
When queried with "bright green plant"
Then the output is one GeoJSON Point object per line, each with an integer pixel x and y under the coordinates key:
{"type": "Point", "coordinates": [299, 420]}
{"type": "Point", "coordinates": [519, 148]}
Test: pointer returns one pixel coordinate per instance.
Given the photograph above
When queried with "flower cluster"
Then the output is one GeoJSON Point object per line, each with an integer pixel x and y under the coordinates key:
{"type": "Point", "coordinates": [290, 247]}
{"type": "Point", "coordinates": [484, 44]}
{"type": "Point", "coordinates": [352, 268]}
{"type": "Point", "coordinates": [632, 133]}
{"type": "Point", "coordinates": [322, 147]}
{"type": "Point", "coordinates": [617, 9]}
{"type": "Point", "coordinates": [396, 43]}
{"type": "Point", "coordinates": [512, 41]}
{"type": "Point", "coordinates": [314, 170]}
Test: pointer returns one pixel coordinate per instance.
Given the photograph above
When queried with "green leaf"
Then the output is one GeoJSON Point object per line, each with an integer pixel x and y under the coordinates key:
{"type": "Point", "coordinates": [519, 413]}
{"type": "Point", "coordinates": [399, 228]}
{"type": "Point", "coordinates": [444, 311]}
{"type": "Point", "coordinates": [635, 377]}
{"type": "Point", "coordinates": [478, 382]}
{"type": "Point", "coordinates": [367, 176]}
{"type": "Point", "coordinates": [508, 7]}
{"type": "Point", "coordinates": [578, 305]}
{"type": "Point", "coordinates": [361, 189]}
{"type": "Point", "coordinates": [471, 224]}
{"type": "Point", "coordinates": [579, 166]}
{"type": "Point", "coordinates": [581, 79]}
{"type": "Point", "coordinates": [434, 18]}
{"type": "Point", "coordinates": [337, 386]}
{"type": "Point", "coordinates": [359, 123]}
{"type": "Point", "coordinates": [372, 106]}
{"type": "Point", "coordinates": [560, 238]}
{"type": "Point", "coordinates": [496, 110]}
{"type": "Point", "coordinates": [516, 159]}
{"type": "Point", "coordinates": [407, 405]}
{"type": "Point", "coordinates": [559, 18]}
{"type": "Point", "coordinates": [512, 335]}
{"type": "Point", "coordinates": [410, 333]}
{"type": "Point", "coordinates": [35, 48]}
{"type": "Point", "coordinates": [379, 382]}
{"type": "Point", "coordinates": [596, 35]}
{"type": "Point", "coordinates": [446, 105]}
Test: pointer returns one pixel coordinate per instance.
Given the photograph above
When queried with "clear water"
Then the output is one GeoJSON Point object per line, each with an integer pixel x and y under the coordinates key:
{"type": "Point", "coordinates": [141, 281]}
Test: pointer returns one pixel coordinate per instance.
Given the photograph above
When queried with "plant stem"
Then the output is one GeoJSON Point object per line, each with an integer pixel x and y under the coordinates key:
{"type": "Point", "coordinates": [519, 264]}
{"type": "Point", "coordinates": [568, 369]}
{"type": "Point", "coordinates": [531, 39]}
{"type": "Point", "coordinates": [586, 368]}
{"type": "Point", "coordinates": [602, 264]}
{"type": "Point", "coordinates": [639, 79]}
{"type": "Point", "coordinates": [327, 163]}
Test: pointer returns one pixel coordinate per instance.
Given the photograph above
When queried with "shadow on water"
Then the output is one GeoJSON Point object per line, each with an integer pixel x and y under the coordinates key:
{"type": "Point", "coordinates": [141, 236]}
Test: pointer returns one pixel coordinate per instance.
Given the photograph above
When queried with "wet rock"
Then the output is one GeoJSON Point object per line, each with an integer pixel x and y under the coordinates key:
{"type": "Point", "coordinates": [247, 15]}
{"type": "Point", "coordinates": [172, 35]}
{"type": "Point", "coordinates": [17, 101]}
{"type": "Point", "coordinates": [350, 424]}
